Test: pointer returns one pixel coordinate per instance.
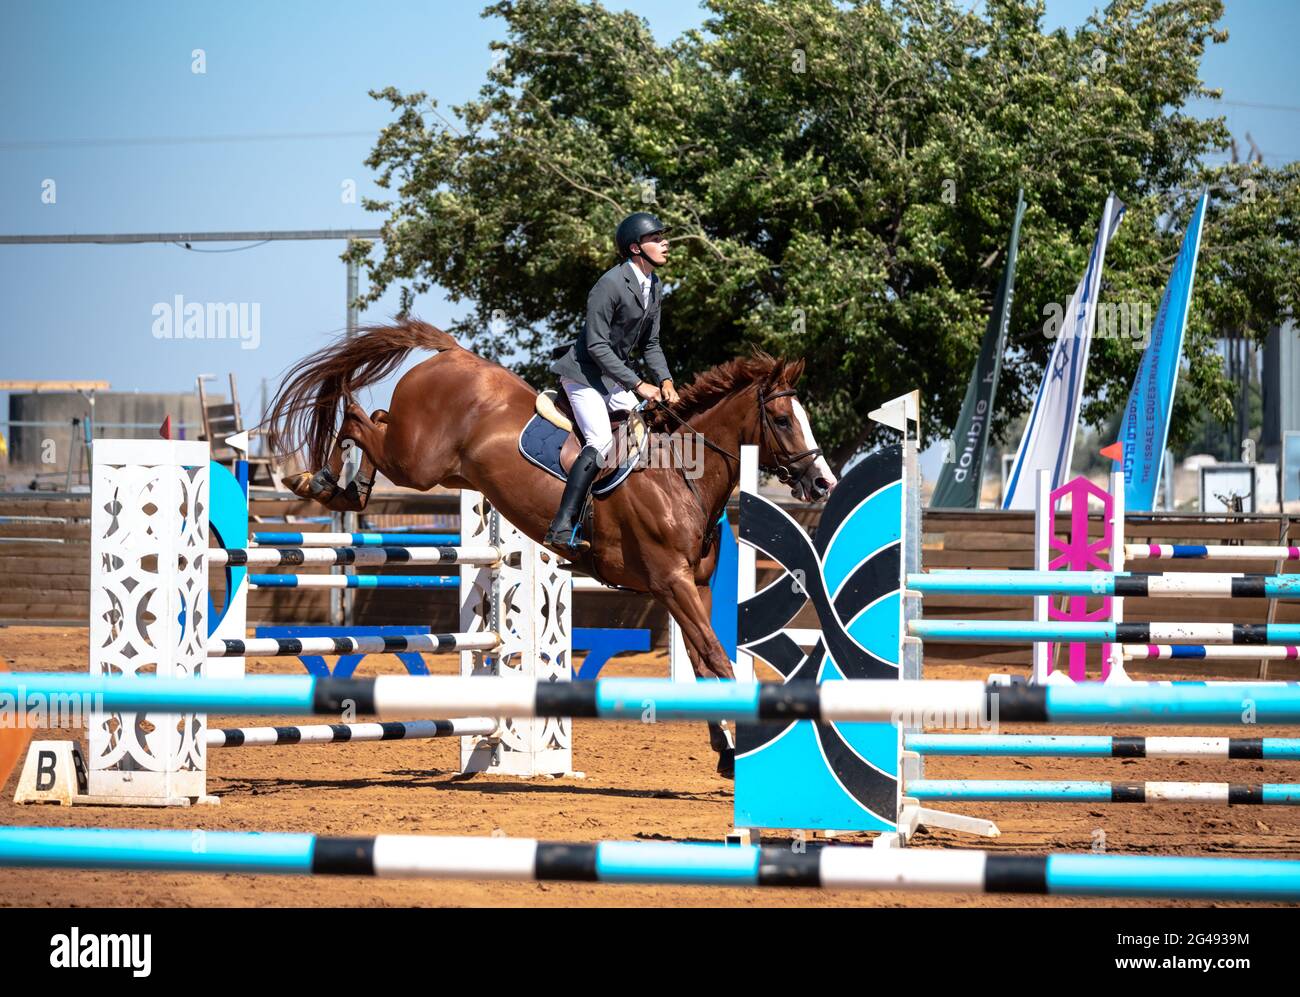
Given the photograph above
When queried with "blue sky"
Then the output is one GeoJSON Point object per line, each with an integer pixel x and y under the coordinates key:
{"type": "Point", "coordinates": [100, 98]}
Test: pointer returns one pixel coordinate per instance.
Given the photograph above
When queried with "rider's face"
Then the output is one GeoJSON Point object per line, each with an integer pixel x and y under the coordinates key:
{"type": "Point", "coordinates": [655, 248]}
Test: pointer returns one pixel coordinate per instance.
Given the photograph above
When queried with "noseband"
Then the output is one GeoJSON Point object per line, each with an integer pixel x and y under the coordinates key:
{"type": "Point", "coordinates": [785, 467]}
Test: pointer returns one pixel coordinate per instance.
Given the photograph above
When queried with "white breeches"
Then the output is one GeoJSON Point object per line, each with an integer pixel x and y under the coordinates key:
{"type": "Point", "coordinates": [591, 410]}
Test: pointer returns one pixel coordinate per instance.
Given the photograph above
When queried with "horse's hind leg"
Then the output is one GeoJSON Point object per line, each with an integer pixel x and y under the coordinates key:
{"type": "Point", "coordinates": [330, 486]}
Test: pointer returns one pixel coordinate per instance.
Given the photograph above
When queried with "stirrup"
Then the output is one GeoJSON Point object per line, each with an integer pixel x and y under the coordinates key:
{"type": "Point", "coordinates": [568, 539]}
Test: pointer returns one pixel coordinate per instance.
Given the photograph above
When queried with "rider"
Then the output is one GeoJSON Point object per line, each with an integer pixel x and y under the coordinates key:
{"type": "Point", "coordinates": [622, 316]}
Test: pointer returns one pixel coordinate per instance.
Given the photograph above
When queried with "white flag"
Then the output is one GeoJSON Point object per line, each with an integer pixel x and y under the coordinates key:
{"type": "Point", "coordinates": [1048, 443]}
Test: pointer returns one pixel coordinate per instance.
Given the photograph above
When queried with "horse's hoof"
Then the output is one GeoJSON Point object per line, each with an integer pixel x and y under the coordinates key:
{"type": "Point", "coordinates": [727, 763]}
{"type": "Point", "coordinates": [299, 484]}
{"type": "Point", "coordinates": [319, 487]}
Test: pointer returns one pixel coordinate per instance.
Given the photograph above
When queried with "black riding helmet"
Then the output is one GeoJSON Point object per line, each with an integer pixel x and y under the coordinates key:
{"type": "Point", "coordinates": [634, 228]}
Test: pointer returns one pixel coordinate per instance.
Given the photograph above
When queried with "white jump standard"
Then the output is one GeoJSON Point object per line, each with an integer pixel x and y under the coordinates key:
{"type": "Point", "coordinates": [164, 506]}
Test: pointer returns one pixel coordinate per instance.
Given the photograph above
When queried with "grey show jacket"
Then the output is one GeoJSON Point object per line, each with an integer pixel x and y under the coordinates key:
{"type": "Point", "coordinates": [617, 324]}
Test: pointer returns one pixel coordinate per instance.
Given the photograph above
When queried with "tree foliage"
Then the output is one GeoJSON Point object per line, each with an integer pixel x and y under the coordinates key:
{"type": "Point", "coordinates": [839, 180]}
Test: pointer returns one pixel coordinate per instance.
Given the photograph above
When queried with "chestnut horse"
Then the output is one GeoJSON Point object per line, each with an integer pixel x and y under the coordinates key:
{"type": "Point", "coordinates": [455, 420]}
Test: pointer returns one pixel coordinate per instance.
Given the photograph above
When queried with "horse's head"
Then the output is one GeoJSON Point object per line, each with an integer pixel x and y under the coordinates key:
{"type": "Point", "coordinates": [786, 445]}
{"type": "Point", "coordinates": [751, 399]}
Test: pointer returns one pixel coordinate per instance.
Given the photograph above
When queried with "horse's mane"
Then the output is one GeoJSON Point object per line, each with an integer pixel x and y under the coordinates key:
{"type": "Point", "coordinates": [716, 383]}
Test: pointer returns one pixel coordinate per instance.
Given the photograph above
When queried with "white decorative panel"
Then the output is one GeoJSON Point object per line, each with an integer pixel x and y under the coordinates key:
{"type": "Point", "coordinates": [525, 600]}
{"type": "Point", "coordinates": [148, 611]}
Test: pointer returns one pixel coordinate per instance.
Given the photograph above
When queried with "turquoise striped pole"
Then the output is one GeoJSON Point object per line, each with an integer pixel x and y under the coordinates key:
{"type": "Point", "coordinates": [684, 863]}
{"type": "Point", "coordinates": [653, 700]}
{"type": "Point", "coordinates": [1101, 583]}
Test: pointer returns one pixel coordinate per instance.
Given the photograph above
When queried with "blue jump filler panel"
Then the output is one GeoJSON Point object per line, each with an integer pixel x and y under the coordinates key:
{"type": "Point", "coordinates": [228, 521]}
{"type": "Point", "coordinates": [806, 774]}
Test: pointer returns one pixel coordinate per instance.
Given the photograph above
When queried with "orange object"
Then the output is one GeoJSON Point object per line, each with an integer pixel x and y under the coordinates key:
{"type": "Point", "coordinates": [13, 744]}
{"type": "Point", "coordinates": [1115, 451]}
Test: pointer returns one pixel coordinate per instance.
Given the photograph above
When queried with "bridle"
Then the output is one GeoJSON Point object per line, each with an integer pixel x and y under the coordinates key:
{"type": "Point", "coordinates": [785, 468]}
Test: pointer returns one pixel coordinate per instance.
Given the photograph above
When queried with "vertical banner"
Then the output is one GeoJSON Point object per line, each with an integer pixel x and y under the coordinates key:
{"type": "Point", "coordinates": [1048, 442]}
{"type": "Point", "coordinates": [963, 473]}
{"type": "Point", "coordinates": [1150, 404]}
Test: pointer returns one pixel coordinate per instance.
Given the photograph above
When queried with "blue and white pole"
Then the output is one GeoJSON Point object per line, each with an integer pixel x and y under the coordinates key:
{"type": "Point", "coordinates": [355, 539]}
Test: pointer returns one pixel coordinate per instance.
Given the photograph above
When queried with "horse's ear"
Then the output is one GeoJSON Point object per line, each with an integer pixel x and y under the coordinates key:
{"type": "Point", "coordinates": [791, 371]}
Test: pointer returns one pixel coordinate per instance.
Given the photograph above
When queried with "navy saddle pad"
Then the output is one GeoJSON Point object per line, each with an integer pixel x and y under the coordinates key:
{"type": "Point", "coordinates": [540, 443]}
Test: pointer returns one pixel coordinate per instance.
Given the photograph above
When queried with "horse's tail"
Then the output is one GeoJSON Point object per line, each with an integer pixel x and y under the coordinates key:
{"type": "Point", "coordinates": [305, 411]}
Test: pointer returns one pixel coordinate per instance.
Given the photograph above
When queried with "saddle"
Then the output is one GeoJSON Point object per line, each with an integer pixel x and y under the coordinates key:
{"type": "Point", "coordinates": [551, 440]}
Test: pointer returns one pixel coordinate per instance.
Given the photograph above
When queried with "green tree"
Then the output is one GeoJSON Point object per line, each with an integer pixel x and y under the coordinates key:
{"type": "Point", "coordinates": [839, 179]}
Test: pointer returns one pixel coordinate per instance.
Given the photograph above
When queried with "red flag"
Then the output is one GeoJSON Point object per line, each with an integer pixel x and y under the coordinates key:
{"type": "Point", "coordinates": [1115, 451]}
{"type": "Point", "coordinates": [165, 430]}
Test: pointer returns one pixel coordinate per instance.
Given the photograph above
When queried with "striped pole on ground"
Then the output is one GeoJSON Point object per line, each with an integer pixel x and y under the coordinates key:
{"type": "Point", "coordinates": [1076, 791]}
{"type": "Point", "coordinates": [651, 700]}
{"type": "Point", "coordinates": [1210, 552]}
{"type": "Point", "coordinates": [264, 647]}
{"type": "Point", "coordinates": [1223, 652]}
{"type": "Point", "coordinates": [1028, 631]}
{"type": "Point", "coordinates": [393, 730]}
{"type": "Point", "coordinates": [1185, 584]}
{"type": "Point", "coordinates": [354, 581]}
{"type": "Point", "coordinates": [527, 860]}
{"type": "Point", "coordinates": [356, 539]}
{"type": "Point", "coordinates": [271, 557]}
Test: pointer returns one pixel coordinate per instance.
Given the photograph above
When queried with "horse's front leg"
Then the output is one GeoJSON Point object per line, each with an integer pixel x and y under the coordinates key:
{"type": "Point", "coordinates": [689, 604]}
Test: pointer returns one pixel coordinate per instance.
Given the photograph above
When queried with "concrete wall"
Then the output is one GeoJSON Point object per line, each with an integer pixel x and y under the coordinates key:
{"type": "Point", "coordinates": [28, 449]}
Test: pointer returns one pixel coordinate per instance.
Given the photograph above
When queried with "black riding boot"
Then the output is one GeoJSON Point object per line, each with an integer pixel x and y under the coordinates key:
{"type": "Point", "coordinates": [564, 525]}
